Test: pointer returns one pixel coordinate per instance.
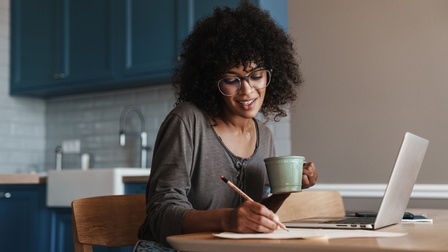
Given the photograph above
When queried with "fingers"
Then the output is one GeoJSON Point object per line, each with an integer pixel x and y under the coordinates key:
{"type": "Point", "coordinates": [310, 175]}
{"type": "Point", "coordinates": [255, 217]}
{"type": "Point", "coordinates": [262, 218]}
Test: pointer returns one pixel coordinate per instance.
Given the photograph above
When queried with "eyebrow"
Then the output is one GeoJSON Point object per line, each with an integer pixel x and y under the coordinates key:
{"type": "Point", "coordinates": [253, 70]}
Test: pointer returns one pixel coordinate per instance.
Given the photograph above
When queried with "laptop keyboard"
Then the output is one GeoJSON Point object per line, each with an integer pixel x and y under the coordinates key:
{"type": "Point", "coordinates": [354, 220]}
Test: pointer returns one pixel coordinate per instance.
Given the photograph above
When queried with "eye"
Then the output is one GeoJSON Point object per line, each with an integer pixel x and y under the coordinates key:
{"type": "Point", "coordinates": [256, 75]}
{"type": "Point", "coordinates": [231, 81]}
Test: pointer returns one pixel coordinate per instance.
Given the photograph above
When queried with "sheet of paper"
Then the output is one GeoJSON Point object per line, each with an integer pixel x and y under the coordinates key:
{"type": "Point", "coordinates": [304, 233]}
{"type": "Point", "coordinates": [416, 220]}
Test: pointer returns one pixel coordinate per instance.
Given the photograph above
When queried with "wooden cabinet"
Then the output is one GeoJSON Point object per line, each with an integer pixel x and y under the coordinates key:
{"type": "Point", "coordinates": [24, 218]}
{"type": "Point", "coordinates": [61, 47]}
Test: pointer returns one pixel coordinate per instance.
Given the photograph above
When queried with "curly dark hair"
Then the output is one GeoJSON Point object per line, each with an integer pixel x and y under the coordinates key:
{"type": "Point", "coordinates": [227, 39]}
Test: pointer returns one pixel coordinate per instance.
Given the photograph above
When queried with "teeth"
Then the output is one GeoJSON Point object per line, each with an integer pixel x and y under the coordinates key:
{"type": "Point", "coordinates": [247, 102]}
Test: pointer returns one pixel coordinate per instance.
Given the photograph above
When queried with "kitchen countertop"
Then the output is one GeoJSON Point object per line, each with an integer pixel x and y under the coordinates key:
{"type": "Point", "coordinates": [28, 178]}
{"type": "Point", "coordinates": [135, 179]}
{"type": "Point", "coordinates": [22, 178]}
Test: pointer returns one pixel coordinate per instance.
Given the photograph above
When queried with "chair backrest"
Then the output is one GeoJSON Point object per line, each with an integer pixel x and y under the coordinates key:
{"type": "Point", "coordinates": [307, 204]}
{"type": "Point", "coordinates": [109, 221]}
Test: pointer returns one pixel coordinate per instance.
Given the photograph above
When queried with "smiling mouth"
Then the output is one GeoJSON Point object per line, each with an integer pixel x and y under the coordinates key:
{"type": "Point", "coordinates": [247, 102]}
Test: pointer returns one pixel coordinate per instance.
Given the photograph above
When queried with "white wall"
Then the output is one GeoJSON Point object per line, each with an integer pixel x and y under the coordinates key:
{"type": "Point", "coordinates": [22, 120]}
{"type": "Point", "coordinates": [373, 70]}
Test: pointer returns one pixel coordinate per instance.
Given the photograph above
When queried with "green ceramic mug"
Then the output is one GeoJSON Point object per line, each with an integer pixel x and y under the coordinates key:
{"type": "Point", "coordinates": [285, 173]}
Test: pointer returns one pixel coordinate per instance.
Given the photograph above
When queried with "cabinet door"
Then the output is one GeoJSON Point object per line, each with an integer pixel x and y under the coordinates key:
{"type": "Point", "coordinates": [61, 230]}
{"type": "Point", "coordinates": [278, 9]}
{"type": "Point", "coordinates": [83, 46]}
{"type": "Point", "coordinates": [33, 54]}
{"type": "Point", "coordinates": [86, 46]}
{"type": "Point", "coordinates": [135, 188]}
{"type": "Point", "coordinates": [150, 39]}
{"type": "Point", "coordinates": [202, 8]}
{"type": "Point", "coordinates": [24, 220]}
{"type": "Point", "coordinates": [61, 46]}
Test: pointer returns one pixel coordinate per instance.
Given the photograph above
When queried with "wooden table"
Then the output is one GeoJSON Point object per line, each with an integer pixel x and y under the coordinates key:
{"type": "Point", "coordinates": [420, 237]}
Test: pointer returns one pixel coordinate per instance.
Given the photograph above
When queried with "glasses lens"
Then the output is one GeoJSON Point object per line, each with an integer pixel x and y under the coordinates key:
{"type": "Point", "coordinates": [258, 79]}
{"type": "Point", "coordinates": [229, 85]}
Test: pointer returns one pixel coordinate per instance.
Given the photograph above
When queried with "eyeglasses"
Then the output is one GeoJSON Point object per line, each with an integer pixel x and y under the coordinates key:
{"type": "Point", "coordinates": [257, 79]}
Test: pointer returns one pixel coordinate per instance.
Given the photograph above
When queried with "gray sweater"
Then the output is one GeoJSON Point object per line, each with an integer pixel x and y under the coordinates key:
{"type": "Point", "coordinates": [188, 160]}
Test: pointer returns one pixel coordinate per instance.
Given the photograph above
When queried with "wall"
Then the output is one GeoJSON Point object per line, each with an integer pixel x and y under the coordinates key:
{"type": "Point", "coordinates": [22, 120]}
{"type": "Point", "coordinates": [373, 70]}
{"type": "Point", "coordinates": [94, 119]}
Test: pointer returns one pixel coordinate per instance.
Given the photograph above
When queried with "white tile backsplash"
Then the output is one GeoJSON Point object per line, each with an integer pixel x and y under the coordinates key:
{"type": "Point", "coordinates": [94, 119]}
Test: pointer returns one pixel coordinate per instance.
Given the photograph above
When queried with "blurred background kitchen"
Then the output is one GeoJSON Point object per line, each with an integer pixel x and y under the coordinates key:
{"type": "Point", "coordinates": [78, 115]}
{"type": "Point", "coordinates": [373, 70]}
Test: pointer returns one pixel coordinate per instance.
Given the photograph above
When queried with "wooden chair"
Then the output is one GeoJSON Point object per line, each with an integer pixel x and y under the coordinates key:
{"type": "Point", "coordinates": [110, 221]}
{"type": "Point", "coordinates": [311, 203]}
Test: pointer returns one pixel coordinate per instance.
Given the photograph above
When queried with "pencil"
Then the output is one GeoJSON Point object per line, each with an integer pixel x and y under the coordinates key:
{"type": "Point", "coordinates": [234, 187]}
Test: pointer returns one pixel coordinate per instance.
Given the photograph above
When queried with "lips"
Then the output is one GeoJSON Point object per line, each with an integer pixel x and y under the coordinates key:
{"type": "Point", "coordinates": [246, 103]}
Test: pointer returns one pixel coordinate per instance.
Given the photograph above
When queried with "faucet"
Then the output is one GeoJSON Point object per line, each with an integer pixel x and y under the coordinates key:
{"type": "Point", "coordinates": [143, 134]}
{"type": "Point", "coordinates": [59, 151]}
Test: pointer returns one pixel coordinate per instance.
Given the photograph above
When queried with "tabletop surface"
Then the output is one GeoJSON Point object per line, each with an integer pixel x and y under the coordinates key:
{"type": "Point", "coordinates": [420, 237]}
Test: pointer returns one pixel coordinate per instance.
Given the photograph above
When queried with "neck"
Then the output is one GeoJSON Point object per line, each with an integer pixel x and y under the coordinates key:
{"type": "Point", "coordinates": [234, 124]}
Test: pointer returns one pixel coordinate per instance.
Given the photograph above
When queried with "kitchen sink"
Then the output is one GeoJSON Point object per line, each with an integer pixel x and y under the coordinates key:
{"type": "Point", "coordinates": [67, 185]}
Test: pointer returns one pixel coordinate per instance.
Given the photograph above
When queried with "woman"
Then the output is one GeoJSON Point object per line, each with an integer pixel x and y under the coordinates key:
{"type": "Point", "coordinates": [235, 64]}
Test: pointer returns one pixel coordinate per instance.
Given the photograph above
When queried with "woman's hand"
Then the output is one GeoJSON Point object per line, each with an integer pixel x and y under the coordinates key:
{"type": "Point", "coordinates": [252, 217]}
{"type": "Point", "coordinates": [309, 176]}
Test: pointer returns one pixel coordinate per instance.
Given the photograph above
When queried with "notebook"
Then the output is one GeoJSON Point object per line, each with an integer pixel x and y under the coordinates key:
{"type": "Point", "coordinates": [396, 195]}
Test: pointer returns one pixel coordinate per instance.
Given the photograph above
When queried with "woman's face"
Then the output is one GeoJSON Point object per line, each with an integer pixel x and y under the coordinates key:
{"type": "Point", "coordinates": [247, 101]}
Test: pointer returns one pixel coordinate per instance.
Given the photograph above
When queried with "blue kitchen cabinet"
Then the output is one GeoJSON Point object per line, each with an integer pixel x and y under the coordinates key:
{"type": "Point", "coordinates": [148, 40]}
{"type": "Point", "coordinates": [61, 47]}
{"type": "Point", "coordinates": [135, 188]}
{"type": "Point", "coordinates": [24, 218]}
{"type": "Point", "coordinates": [278, 9]}
{"type": "Point", "coordinates": [27, 224]}
{"type": "Point", "coordinates": [61, 239]}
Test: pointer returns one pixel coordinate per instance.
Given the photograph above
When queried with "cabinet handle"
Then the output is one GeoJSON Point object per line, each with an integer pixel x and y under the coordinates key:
{"type": "Point", "coordinates": [5, 195]}
{"type": "Point", "coordinates": [59, 76]}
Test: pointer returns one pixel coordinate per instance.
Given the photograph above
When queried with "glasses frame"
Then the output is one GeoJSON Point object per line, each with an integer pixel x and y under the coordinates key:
{"type": "Point", "coordinates": [247, 79]}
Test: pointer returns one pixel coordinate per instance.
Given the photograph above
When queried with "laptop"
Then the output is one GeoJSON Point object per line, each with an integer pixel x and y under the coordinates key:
{"type": "Point", "coordinates": [396, 195]}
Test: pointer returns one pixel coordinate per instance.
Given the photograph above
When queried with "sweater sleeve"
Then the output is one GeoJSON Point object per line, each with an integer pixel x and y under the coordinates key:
{"type": "Point", "coordinates": [169, 182]}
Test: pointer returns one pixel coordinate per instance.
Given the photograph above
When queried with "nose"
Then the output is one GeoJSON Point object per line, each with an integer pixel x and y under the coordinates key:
{"type": "Point", "coordinates": [246, 87]}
